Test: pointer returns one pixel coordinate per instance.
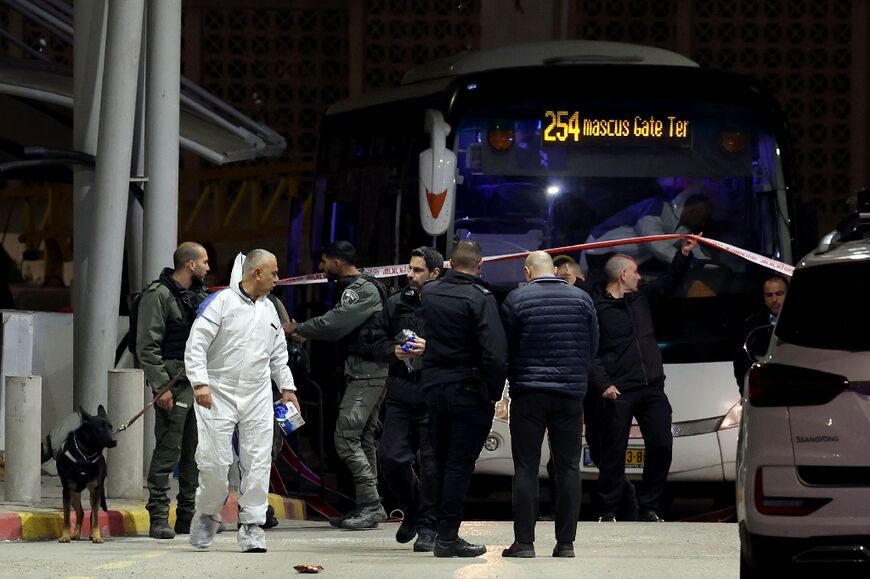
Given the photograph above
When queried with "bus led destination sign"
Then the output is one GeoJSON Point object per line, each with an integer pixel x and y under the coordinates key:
{"type": "Point", "coordinates": [571, 127]}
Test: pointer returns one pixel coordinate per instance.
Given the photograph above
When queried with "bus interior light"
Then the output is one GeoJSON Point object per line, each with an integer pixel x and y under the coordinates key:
{"type": "Point", "coordinates": [500, 139]}
{"type": "Point", "coordinates": [733, 142]}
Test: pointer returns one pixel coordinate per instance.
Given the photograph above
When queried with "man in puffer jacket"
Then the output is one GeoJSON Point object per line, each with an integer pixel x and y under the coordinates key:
{"type": "Point", "coordinates": [552, 333]}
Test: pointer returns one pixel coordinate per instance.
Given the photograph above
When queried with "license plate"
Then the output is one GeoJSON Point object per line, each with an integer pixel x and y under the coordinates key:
{"type": "Point", "coordinates": [634, 457]}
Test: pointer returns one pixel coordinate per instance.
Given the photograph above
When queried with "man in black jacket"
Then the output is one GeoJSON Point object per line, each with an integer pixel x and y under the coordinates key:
{"type": "Point", "coordinates": [774, 289]}
{"type": "Point", "coordinates": [406, 425]}
{"type": "Point", "coordinates": [464, 370]}
{"type": "Point", "coordinates": [568, 269]}
{"type": "Point", "coordinates": [552, 333]}
{"type": "Point", "coordinates": [628, 374]}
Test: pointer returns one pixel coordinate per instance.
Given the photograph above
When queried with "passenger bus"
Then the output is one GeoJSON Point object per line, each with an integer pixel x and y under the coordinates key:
{"type": "Point", "coordinates": [553, 144]}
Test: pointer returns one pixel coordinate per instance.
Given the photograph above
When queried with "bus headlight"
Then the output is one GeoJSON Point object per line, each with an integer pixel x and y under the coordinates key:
{"type": "Point", "coordinates": [708, 425]}
{"type": "Point", "coordinates": [696, 427]}
{"type": "Point", "coordinates": [503, 409]}
{"type": "Point", "coordinates": [732, 419]}
{"type": "Point", "coordinates": [491, 443]}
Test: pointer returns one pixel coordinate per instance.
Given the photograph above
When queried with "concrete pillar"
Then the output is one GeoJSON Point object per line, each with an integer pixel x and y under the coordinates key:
{"type": "Point", "coordinates": [16, 355]}
{"type": "Point", "coordinates": [23, 435]}
{"type": "Point", "coordinates": [163, 98]}
{"type": "Point", "coordinates": [89, 20]}
{"type": "Point", "coordinates": [112, 181]}
{"type": "Point", "coordinates": [136, 223]}
{"type": "Point", "coordinates": [135, 218]}
{"type": "Point", "coordinates": [124, 477]}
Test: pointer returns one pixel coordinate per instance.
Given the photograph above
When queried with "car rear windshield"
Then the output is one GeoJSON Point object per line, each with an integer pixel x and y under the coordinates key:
{"type": "Point", "coordinates": [827, 307]}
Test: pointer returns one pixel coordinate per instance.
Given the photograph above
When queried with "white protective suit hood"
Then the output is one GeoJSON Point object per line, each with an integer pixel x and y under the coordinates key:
{"type": "Point", "coordinates": [238, 268]}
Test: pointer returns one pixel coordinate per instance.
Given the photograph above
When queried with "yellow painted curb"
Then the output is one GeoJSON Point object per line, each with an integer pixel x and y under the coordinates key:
{"type": "Point", "coordinates": [277, 503]}
{"type": "Point", "coordinates": [287, 508]}
{"type": "Point", "coordinates": [40, 526]}
{"type": "Point", "coordinates": [49, 526]}
{"type": "Point", "coordinates": [136, 521]}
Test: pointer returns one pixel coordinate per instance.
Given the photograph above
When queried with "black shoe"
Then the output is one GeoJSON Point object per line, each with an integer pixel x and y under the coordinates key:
{"type": "Point", "coordinates": [160, 529]}
{"type": "Point", "coordinates": [407, 530]}
{"type": "Point", "coordinates": [457, 548]}
{"type": "Point", "coordinates": [520, 550]}
{"type": "Point", "coordinates": [649, 517]}
{"type": "Point", "coordinates": [425, 542]}
{"type": "Point", "coordinates": [368, 517]}
{"type": "Point", "coordinates": [336, 521]}
{"type": "Point", "coordinates": [182, 523]}
{"type": "Point", "coordinates": [271, 519]}
{"type": "Point", "coordinates": [607, 518]}
{"type": "Point", "coordinates": [563, 550]}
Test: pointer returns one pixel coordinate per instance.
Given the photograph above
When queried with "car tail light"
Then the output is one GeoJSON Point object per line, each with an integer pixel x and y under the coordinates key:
{"type": "Point", "coordinates": [782, 385]}
{"type": "Point", "coordinates": [784, 506]}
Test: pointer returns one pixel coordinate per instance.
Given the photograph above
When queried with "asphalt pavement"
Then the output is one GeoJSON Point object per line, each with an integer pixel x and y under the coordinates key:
{"type": "Point", "coordinates": [647, 550]}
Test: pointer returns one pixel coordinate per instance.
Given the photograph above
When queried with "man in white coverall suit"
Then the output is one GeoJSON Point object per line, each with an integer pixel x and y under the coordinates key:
{"type": "Point", "coordinates": [236, 346]}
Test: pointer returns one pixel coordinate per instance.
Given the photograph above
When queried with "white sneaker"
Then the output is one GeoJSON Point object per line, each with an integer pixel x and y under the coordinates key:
{"type": "Point", "coordinates": [252, 539]}
{"type": "Point", "coordinates": [203, 530]}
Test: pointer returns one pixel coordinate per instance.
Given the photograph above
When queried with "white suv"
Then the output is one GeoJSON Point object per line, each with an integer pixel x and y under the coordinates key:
{"type": "Point", "coordinates": [803, 460]}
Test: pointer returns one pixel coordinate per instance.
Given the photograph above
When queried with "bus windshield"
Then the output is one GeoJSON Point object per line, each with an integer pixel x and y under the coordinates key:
{"type": "Point", "coordinates": [535, 177]}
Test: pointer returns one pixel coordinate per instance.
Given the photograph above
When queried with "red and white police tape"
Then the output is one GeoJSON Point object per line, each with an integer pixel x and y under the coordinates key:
{"type": "Point", "coordinates": [396, 270]}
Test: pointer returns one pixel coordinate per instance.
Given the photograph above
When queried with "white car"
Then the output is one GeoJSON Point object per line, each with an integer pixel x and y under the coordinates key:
{"type": "Point", "coordinates": [803, 477]}
{"type": "Point", "coordinates": [706, 412]}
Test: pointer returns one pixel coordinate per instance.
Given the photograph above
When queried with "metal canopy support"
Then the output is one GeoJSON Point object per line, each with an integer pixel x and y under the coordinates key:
{"type": "Point", "coordinates": [161, 135]}
{"type": "Point", "coordinates": [90, 22]}
{"type": "Point", "coordinates": [114, 153]}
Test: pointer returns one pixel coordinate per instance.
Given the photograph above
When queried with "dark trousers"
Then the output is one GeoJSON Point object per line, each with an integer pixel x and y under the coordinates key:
{"type": "Point", "coordinates": [650, 406]}
{"type": "Point", "coordinates": [459, 422]}
{"type": "Point", "coordinates": [176, 438]}
{"type": "Point", "coordinates": [593, 410]}
{"type": "Point", "coordinates": [405, 439]}
{"type": "Point", "coordinates": [561, 417]}
{"type": "Point", "coordinates": [356, 434]}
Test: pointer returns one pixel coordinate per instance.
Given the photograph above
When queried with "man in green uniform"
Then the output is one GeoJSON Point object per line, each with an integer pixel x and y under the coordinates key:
{"type": "Point", "coordinates": [350, 323]}
{"type": "Point", "coordinates": [166, 311]}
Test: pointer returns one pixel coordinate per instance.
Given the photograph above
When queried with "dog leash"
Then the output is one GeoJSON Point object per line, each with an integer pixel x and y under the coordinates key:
{"type": "Point", "coordinates": [160, 393]}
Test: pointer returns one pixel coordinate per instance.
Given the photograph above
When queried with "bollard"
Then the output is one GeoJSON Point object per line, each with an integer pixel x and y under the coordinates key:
{"type": "Point", "coordinates": [23, 436]}
{"type": "Point", "coordinates": [124, 478]}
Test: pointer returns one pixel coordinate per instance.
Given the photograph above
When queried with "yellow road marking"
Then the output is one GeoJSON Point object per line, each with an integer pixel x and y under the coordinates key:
{"type": "Point", "coordinates": [117, 565]}
{"type": "Point", "coordinates": [148, 555]}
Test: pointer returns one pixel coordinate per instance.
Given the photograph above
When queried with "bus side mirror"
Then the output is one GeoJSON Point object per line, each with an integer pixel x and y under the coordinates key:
{"type": "Point", "coordinates": [757, 343]}
{"type": "Point", "coordinates": [437, 177]}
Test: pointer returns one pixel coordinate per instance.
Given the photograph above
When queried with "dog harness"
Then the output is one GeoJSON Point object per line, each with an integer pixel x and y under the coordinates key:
{"type": "Point", "coordinates": [85, 458]}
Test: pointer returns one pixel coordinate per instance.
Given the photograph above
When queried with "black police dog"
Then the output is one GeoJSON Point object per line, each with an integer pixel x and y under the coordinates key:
{"type": "Point", "coordinates": [80, 465]}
